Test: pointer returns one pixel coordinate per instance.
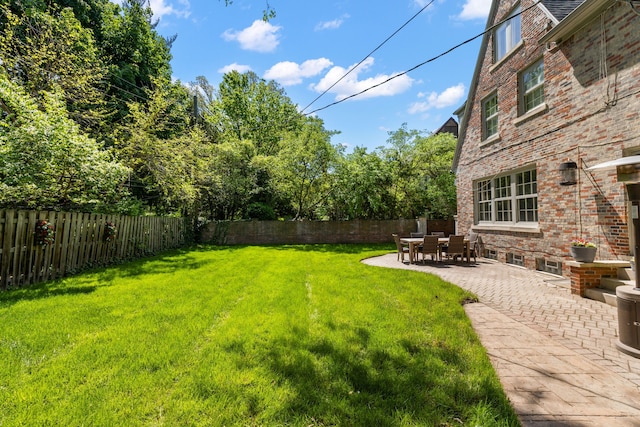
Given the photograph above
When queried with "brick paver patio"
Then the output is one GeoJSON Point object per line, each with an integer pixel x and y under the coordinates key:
{"type": "Point", "coordinates": [554, 352]}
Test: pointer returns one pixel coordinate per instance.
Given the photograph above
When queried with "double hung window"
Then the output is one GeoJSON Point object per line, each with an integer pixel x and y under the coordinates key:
{"type": "Point", "coordinates": [490, 116]}
{"type": "Point", "coordinates": [507, 35]}
{"type": "Point", "coordinates": [532, 87]}
{"type": "Point", "coordinates": [509, 199]}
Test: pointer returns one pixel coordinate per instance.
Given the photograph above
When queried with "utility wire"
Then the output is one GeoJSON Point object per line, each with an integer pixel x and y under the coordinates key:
{"type": "Point", "coordinates": [422, 63]}
{"type": "Point", "coordinates": [367, 56]}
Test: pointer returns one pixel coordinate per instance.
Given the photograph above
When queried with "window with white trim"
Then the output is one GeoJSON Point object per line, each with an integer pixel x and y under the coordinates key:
{"type": "Point", "coordinates": [490, 116]}
{"type": "Point", "coordinates": [532, 87]}
{"type": "Point", "coordinates": [508, 199]}
{"type": "Point", "coordinates": [483, 201]}
{"type": "Point", "coordinates": [507, 35]}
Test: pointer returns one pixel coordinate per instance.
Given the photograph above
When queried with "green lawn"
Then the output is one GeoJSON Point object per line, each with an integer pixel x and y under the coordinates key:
{"type": "Point", "coordinates": [250, 336]}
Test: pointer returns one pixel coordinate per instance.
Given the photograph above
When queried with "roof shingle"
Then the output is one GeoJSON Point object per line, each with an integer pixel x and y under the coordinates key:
{"type": "Point", "coordinates": [561, 8]}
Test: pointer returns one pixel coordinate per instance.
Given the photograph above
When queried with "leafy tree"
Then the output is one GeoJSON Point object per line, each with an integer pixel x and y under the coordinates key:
{"type": "Point", "coordinates": [420, 171]}
{"type": "Point", "coordinates": [137, 55]}
{"type": "Point", "coordinates": [302, 168]}
{"type": "Point", "coordinates": [166, 155]}
{"type": "Point", "coordinates": [207, 108]}
{"type": "Point", "coordinates": [45, 160]}
{"type": "Point", "coordinates": [43, 51]}
{"type": "Point", "coordinates": [230, 179]}
{"type": "Point", "coordinates": [434, 157]}
{"type": "Point", "coordinates": [251, 108]}
{"type": "Point", "coordinates": [404, 171]}
{"type": "Point", "coordinates": [362, 189]}
{"type": "Point", "coordinates": [246, 119]}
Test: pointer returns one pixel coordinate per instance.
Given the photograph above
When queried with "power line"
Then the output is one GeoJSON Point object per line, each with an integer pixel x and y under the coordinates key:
{"type": "Point", "coordinates": [367, 56]}
{"type": "Point", "coordinates": [423, 63]}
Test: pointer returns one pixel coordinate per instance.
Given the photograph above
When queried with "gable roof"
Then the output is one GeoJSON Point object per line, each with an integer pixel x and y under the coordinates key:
{"type": "Point", "coordinates": [561, 8]}
{"type": "Point", "coordinates": [450, 126]}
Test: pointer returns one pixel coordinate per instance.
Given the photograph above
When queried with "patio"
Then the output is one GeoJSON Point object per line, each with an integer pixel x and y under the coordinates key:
{"type": "Point", "coordinates": [554, 352]}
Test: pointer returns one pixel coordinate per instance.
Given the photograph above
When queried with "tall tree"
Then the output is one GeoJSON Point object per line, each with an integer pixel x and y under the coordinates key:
{"type": "Point", "coordinates": [420, 167]}
{"type": "Point", "coordinates": [400, 158]}
{"type": "Point", "coordinates": [302, 168]}
{"type": "Point", "coordinates": [164, 152]}
{"type": "Point", "coordinates": [253, 109]}
{"type": "Point", "coordinates": [230, 180]}
{"type": "Point", "coordinates": [363, 187]}
{"type": "Point", "coordinates": [135, 52]}
{"type": "Point", "coordinates": [205, 107]}
{"type": "Point", "coordinates": [44, 50]}
{"type": "Point", "coordinates": [434, 158]}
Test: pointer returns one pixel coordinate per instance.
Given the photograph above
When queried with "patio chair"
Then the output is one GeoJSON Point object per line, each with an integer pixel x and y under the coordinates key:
{"type": "Point", "coordinates": [402, 249]}
{"type": "Point", "coordinates": [474, 247]}
{"type": "Point", "coordinates": [431, 247]}
{"type": "Point", "coordinates": [417, 234]}
{"type": "Point", "coordinates": [440, 234]}
{"type": "Point", "coordinates": [455, 247]}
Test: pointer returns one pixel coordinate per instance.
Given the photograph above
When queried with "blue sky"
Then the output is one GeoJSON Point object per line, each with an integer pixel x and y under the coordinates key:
{"type": "Point", "coordinates": [311, 44]}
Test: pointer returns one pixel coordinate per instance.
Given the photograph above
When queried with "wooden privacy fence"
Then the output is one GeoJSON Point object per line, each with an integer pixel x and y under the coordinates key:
{"type": "Point", "coordinates": [36, 246]}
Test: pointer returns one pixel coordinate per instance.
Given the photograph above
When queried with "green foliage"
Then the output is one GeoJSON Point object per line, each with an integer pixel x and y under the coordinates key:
{"type": "Point", "coordinates": [301, 170]}
{"type": "Point", "coordinates": [251, 108]}
{"type": "Point", "coordinates": [436, 182]}
{"type": "Point", "coordinates": [46, 51]}
{"type": "Point", "coordinates": [420, 169]}
{"type": "Point", "coordinates": [163, 151]}
{"type": "Point", "coordinates": [46, 161]}
{"type": "Point", "coordinates": [137, 55]}
{"type": "Point", "coordinates": [296, 336]}
{"type": "Point", "coordinates": [260, 211]}
{"type": "Point", "coordinates": [247, 152]}
{"type": "Point", "coordinates": [363, 187]}
{"type": "Point", "coordinates": [230, 179]}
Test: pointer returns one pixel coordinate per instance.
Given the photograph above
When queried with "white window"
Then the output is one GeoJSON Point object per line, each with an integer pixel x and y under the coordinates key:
{"type": "Point", "coordinates": [502, 199]}
{"type": "Point", "coordinates": [532, 84]}
{"type": "Point", "coordinates": [527, 196]}
{"type": "Point", "coordinates": [507, 199]}
{"type": "Point", "coordinates": [483, 202]}
{"type": "Point", "coordinates": [507, 35]}
{"type": "Point", "coordinates": [490, 116]}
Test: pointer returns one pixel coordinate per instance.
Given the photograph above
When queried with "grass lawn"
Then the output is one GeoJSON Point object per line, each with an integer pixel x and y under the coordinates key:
{"type": "Point", "coordinates": [250, 336]}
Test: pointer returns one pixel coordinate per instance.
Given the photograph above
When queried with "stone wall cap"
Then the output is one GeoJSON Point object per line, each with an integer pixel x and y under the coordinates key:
{"type": "Point", "coordinates": [600, 263]}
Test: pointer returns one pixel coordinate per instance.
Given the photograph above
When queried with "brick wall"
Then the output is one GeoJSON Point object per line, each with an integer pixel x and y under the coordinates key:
{"type": "Point", "coordinates": [588, 119]}
{"type": "Point", "coordinates": [311, 232]}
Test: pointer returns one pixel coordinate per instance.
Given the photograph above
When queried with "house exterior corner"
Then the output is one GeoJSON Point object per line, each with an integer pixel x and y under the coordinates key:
{"type": "Point", "coordinates": [553, 85]}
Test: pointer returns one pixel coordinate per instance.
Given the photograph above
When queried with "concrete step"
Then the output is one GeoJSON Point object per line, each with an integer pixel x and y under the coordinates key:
{"type": "Point", "coordinates": [610, 283]}
{"type": "Point", "coordinates": [626, 273]}
{"type": "Point", "coordinates": [606, 296]}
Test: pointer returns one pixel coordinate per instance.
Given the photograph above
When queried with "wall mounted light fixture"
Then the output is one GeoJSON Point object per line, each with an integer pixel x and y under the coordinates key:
{"type": "Point", "coordinates": [568, 173]}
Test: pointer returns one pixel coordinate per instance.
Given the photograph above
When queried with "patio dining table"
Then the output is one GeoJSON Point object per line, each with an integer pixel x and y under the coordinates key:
{"type": "Point", "coordinates": [415, 242]}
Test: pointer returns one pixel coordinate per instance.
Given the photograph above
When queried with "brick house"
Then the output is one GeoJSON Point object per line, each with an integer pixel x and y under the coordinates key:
{"type": "Point", "coordinates": [556, 86]}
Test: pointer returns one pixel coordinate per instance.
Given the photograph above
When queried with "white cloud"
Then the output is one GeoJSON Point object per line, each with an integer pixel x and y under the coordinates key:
{"type": "Point", "coordinates": [234, 67]}
{"type": "Point", "coordinates": [449, 97]}
{"type": "Point", "coordinates": [351, 85]}
{"type": "Point", "coordinates": [331, 25]}
{"type": "Point", "coordinates": [162, 8]}
{"type": "Point", "coordinates": [475, 9]}
{"type": "Point", "coordinates": [260, 36]}
{"type": "Point", "coordinates": [289, 73]}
